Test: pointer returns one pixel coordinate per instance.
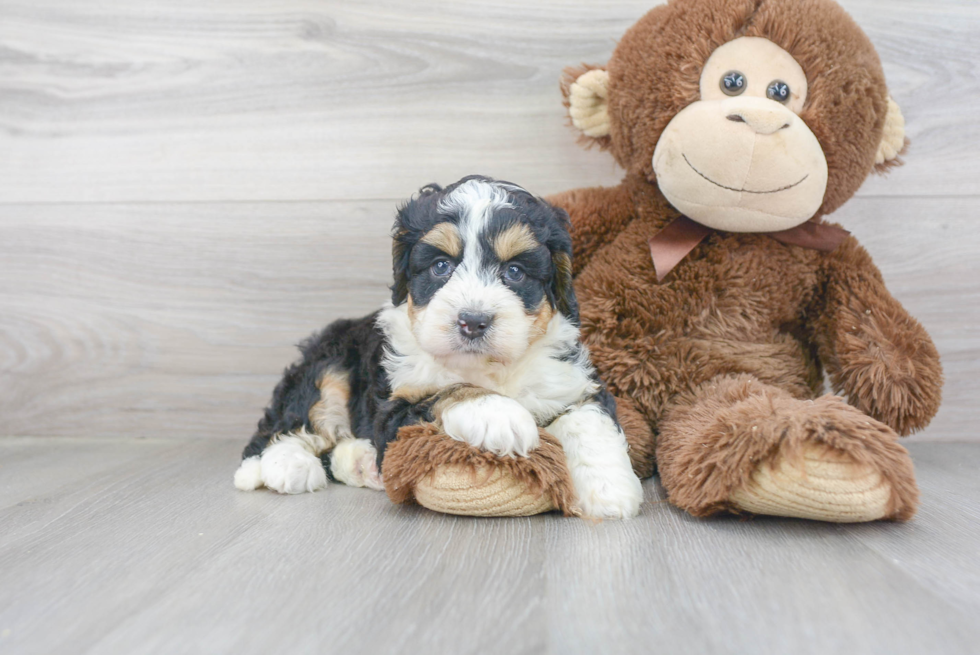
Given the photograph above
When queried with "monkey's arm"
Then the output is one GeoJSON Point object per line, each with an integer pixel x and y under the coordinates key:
{"type": "Point", "coordinates": [598, 215]}
{"type": "Point", "coordinates": [874, 351]}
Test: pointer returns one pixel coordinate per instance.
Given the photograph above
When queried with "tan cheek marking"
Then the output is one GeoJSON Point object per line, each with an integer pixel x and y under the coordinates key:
{"type": "Point", "coordinates": [412, 312]}
{"type": "Point", "coordinates": [542, 316]}
{"type": "Point", "coordinates": [563, 277]}
{"type": "Point", "coordinates": [445, 237]}
{"type": "Point", "coordinates": [513, 241]}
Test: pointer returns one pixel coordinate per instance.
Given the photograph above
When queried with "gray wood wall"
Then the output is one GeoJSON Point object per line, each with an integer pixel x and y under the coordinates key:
{"type": "Point", "coordinates": [188, 188]}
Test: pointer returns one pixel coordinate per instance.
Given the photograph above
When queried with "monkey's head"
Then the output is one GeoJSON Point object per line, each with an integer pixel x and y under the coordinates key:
{"type": "Point", "coordinates": [750, 115]}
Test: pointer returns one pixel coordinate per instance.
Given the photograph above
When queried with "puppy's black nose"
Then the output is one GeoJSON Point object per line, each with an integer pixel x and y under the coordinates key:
{"type": "Point", "coordinates": [473, 325]}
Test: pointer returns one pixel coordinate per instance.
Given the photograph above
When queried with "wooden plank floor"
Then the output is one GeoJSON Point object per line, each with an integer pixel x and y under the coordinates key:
{"type": "Point", "coordinates": [144, 546]}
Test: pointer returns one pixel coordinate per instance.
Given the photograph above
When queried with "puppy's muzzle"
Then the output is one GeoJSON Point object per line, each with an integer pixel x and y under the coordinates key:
{"type": "Point", "coordinates": [473, 325]}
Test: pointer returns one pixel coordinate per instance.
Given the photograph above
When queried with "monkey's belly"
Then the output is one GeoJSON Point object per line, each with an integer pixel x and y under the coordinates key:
{"type": "Point", "coordinates": [655, 367]}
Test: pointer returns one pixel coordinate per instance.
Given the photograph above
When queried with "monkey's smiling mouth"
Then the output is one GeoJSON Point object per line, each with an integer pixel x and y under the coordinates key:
{"type": "Point", "coordinates": [790, 186]}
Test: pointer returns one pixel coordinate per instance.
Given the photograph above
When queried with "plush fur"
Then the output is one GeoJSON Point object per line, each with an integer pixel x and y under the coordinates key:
{"type": "Point", "coordinates": [725, 358]}
{"type": "Point", "coordinates": [738, 415]}
{"type": "Point", "coordinates": [421, 449]}
{"type": "Point", "coordinates": [479, 348]}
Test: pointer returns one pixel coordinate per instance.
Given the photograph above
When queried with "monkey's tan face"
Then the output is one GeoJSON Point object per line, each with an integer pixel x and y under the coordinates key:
{"type": "Point", "coordinates": [740, 159]}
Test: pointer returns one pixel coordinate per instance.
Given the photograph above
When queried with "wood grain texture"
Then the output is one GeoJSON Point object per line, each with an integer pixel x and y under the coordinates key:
{"type": "Point", "coordinates": [176, 319]}
{"type": "Point", "coordinates": [172, 319]}
{"type": "Point", "coordinates": [311, 100]}
{"type": "Point", "coordinates": [154, 551]}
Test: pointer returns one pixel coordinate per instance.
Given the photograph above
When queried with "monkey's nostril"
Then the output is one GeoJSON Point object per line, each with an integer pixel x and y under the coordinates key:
{"type": "Point", "coordinates": [736, 118]}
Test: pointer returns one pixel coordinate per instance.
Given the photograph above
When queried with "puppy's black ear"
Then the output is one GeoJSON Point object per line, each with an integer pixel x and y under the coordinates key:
{"type": "Point", "coordinates": [402, 239]}
{"type": "Point", "coordinates": [408, 229]}
{"type": "Point", "coordinates": [400, 251]}
{"type": "Point", "coordinates": [560, 245]}
{"type": "Point", "coordinates": [562, 288]}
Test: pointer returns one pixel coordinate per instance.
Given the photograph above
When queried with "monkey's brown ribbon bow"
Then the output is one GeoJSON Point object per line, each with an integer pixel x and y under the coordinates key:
{"type": "Point", "coordinates": [672, 244]}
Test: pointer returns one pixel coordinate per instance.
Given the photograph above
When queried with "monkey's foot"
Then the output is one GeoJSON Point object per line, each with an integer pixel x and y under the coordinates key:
{"type": "Point", "coordinates": [740, 445]}
{"type": "Point", "coordinates": [819, 483]}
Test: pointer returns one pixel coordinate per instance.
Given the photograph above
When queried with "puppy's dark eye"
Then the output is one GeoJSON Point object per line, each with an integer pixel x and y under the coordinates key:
{"type": "Point", "coordinates": [514, 273]}
{"type": "Point", "coordinates": [733, 83]}
{"type": "Point", "coordinates": [778, 91]}
{"type": "Point", "coordinates": [442, 268]}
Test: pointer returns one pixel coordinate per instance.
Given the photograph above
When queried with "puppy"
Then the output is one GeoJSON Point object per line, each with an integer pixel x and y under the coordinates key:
{"type": "Point", "coordinates": [480, 338]}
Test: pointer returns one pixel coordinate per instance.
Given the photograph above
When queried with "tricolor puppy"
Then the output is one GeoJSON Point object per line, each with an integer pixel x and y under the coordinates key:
{"type": "Point", "coordinates": [481, 338]}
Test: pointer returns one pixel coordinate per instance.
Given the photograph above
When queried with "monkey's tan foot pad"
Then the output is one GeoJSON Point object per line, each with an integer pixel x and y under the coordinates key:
{"type": "Point", "coordinates": [426, 466]}
{"type": "Point", "coordinates": [818, 482]}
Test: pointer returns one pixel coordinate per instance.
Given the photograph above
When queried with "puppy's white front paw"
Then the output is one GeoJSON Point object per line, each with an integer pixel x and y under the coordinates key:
{"type": "Point", "coordinates": [599, 462]}
{"type": "Point", "coordinates": [492, 422]}
{"type": "Point", "coordinates": [607, 494]}
{"type": "Point", "coordinates": [355, 463]}
{"type": "Point", "coordinates": [249, 474]}
{"type": "Point", "coordinates": [289, 468]}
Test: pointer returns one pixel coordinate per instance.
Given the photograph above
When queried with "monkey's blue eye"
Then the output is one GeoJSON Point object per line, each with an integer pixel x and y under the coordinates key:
{"type": "Point", "coordinates": [442, 268]}
{"type": "Point", "coordinates": [733, 83]}
{"type": "Point", "coordinates": [778, 91]}
{"type": "Point", "coordinates": [514, 273]}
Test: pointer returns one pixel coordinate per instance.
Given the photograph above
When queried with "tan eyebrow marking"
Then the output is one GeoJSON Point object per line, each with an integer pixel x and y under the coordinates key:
{"type": "Point", "coordinates": [513, 241]}
{"type": "Point", "coordinates": [445, 237]}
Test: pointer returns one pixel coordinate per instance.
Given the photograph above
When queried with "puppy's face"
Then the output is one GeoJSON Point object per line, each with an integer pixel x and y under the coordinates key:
{"type": "Point", "coordinates": [483, 266]}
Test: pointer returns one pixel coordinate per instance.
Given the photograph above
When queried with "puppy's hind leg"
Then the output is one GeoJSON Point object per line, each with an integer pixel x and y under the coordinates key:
{"type": "Point", "coordinates": [290, 464]}
{"type": "Point", "coordinates": [292, 461]}
{"type": "Point", "coordinates": [349, 460]}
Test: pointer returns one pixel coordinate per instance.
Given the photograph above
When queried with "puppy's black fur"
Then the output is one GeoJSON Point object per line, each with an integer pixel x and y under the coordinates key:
{"type": "Point", "coordinates": [352, 345]}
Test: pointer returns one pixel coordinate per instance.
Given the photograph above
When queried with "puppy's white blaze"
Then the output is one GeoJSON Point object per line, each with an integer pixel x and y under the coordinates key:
{"type": "Point", "coordinates": [354, 462]}
{"type": "Point", "coordinates": [289, 467]}
{"type": "Point", "coordinates": [248, 477]}
{"type": "Point", "coordinates": [495, 423]}
{"type": "Point", "coordinates": [599, 463]}
{"type": "Point", "coordinates": [475, 202]}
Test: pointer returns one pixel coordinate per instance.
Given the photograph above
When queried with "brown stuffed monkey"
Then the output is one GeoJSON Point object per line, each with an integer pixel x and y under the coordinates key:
{"type": "Point", "coordinates": [713, 295]}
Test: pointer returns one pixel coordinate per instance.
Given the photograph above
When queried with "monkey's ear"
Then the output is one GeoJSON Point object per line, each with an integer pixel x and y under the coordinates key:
{"type": "Point", "coordinates": [893, 140]}
{"type": "Point", "coordinates": [586, 93]}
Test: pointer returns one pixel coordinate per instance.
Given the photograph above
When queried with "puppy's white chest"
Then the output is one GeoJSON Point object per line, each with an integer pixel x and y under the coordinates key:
{"type": "Point", "coordinates": [549, 386]}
